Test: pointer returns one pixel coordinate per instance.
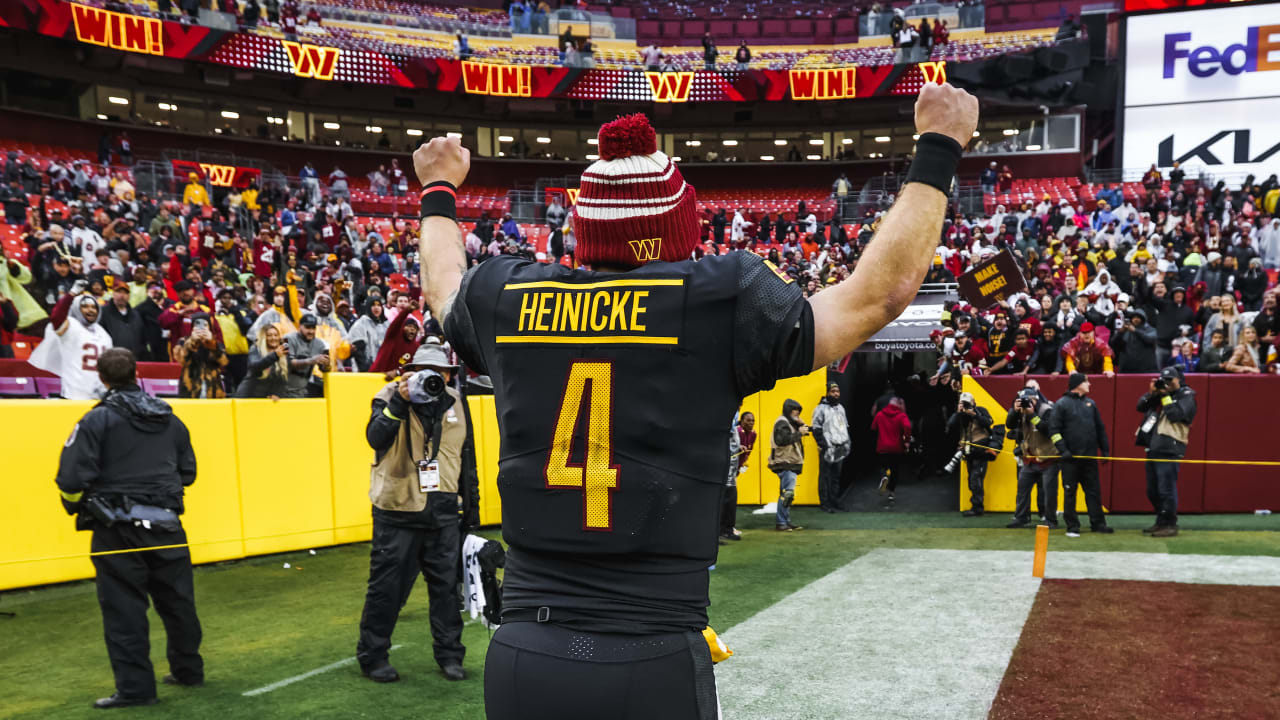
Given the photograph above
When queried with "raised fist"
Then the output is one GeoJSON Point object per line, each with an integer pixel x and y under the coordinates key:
{"type": "Point", "coordinates": [946, 110]}
{"type": "Point", "coordinates": [443, 158]}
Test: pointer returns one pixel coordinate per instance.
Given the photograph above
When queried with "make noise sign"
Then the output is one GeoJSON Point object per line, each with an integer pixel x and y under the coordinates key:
{"type": "Point", "coordinates": [992, 281]}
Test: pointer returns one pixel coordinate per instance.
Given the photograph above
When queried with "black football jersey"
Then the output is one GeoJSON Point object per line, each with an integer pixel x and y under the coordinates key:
{"type": "Point", "coordinates": [615, 393]}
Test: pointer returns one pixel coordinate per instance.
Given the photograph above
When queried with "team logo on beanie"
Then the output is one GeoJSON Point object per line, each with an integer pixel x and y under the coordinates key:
{"type": "Point", "coordinates": [646, 249]}
{"type": "Point", "coordinates": [634, 206]}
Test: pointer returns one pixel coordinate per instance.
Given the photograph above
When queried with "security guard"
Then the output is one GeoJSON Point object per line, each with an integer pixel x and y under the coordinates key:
{"type": "Point", "coordinates": [1028, 422]}
{"type": "Point", "coordinates": [1170, 407]}
{"type": "Point", "coordinates": [122, 475]}
{"type": "Point", "coordinates": [423, 478]}
{"type": "Point", "coordinates": [1076, 429]}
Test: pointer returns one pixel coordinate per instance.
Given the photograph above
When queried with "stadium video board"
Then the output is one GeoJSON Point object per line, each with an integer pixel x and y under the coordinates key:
{"type": "Point", "coordinates": [1202, 88]}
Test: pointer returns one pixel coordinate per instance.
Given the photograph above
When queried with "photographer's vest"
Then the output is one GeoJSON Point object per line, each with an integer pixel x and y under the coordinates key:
{"type": "Point", "coordinates": [393, 481]}
{"type": "Point", "coordinates": [785, 456]}
{"type": "Point", "coordinates": [1035, 435]}
{"type": "Point", "coordinates": [974, 433]}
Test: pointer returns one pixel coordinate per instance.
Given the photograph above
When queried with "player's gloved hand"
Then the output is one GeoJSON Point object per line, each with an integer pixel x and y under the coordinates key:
{"type": "Point", "coordinates": [946, 110]}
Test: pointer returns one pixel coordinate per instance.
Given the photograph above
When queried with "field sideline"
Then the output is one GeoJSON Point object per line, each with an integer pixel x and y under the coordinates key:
{"type": "Point", "coordinates": [264, 624]}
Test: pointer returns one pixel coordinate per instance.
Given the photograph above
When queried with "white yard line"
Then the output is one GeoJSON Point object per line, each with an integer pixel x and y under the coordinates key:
{"type": "Point", "coordinates": [894, 634]}
{"type": "Point", "coordinates": [919, 633]}
{"type": "Point", "coordinates": [308, 674]}
{"type": "Point", "coordinates": [1159, 567]}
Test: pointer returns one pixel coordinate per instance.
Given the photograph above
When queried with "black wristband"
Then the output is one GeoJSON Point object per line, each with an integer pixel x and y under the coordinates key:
{"type": "Point", "coordinates": [439, 198]}
{"type": "Point", "coordinates": [937, 157]}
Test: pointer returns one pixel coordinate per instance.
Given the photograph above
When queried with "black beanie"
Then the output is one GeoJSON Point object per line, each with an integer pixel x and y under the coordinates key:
{"type": "Point", "coordinates": [1074, 381]}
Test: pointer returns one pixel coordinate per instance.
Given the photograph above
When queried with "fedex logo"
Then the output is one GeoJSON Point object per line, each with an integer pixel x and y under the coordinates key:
{"type": "Point", "coordinates": [1252, 55]}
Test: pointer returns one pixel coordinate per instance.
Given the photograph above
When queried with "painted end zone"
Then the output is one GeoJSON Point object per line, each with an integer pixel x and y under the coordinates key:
{"type": "Point", "coordinates": [1117, 648]}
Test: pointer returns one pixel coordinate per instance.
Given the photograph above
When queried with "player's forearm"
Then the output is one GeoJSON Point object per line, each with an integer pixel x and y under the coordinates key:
{"type": "Point", "coordinates": [887, 276]}
{"type": "Point", "coordinates": [443, 263]}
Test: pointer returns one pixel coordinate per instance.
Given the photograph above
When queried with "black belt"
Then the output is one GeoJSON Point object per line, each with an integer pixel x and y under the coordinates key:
{"type": "Point", "coordinates": [541, 614]}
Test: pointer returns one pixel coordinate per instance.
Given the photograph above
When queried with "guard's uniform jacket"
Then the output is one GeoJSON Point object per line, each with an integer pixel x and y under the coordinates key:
{"type": "Point", "coordinates": [129, 448]}
{"type": "Point", "coordinates": [1076, 427]}
{"type": "Point", "coordinates": [133, 456]}
{"type": "Point", "coordinates": [1172, 415]}
{"type": "Point", "coordinates": [615, 393]}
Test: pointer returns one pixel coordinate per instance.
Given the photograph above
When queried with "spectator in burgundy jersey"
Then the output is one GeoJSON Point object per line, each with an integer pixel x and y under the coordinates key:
{"type": "Point", "coordinates": [179, 318]}
{"type": "Point", "coordinates": [400, 342]}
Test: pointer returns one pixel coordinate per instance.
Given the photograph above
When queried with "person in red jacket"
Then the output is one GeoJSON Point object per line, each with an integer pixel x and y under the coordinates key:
{"type": "Point", "coordinates": [893, 437]}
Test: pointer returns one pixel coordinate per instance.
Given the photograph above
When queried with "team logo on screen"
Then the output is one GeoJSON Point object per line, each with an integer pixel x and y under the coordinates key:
{"type": "Point", "coordinates": [671, 86]}
{"type": "Point", "coordinates": [312, 61]}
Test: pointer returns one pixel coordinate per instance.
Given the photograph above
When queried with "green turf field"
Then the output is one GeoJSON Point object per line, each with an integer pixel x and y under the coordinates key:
{"type": "Point", "coordinates": [263, 623]}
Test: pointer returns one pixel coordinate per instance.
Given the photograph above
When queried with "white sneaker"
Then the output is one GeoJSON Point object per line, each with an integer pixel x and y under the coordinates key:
{"type": "Point", "coordinates": [884, 484]}
{"type": "Point", "coordinates": [1073, 533]}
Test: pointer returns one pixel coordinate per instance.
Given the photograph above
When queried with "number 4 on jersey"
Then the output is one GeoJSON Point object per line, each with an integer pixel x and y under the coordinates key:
{"type": "Point", "coordinates": [597, 477]}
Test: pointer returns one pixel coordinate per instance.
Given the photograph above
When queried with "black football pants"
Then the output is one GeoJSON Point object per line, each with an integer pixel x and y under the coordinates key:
{"type": "Point", "coordinates": [125, 582]}
{"type": "Point", "coordinates": [541, 671]}
{"type": "Point", "coordinates": [397, 556]}
{"type": "Point", "coordinates": [728, 509]}
{"type": "Point", "coordinates": [1082, 474]}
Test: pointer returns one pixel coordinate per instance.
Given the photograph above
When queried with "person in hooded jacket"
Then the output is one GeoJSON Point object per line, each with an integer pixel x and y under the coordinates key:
{"type": "Point", "coordinates": [122, 473]}
{"type": "Point", "coordinates": [1172, 312]}
{"type": "Point", "coordinates": [893, 436]}
{"type": "Point", "coordinates": [367, 333]}
{"type": "Point", "coordinates": [1135, 344]}
{"type": "Point", "coordinates": [831, 431]}
{"type": "Point", "coordinates": [73, 342]}
{"type": "Point", "coordinates": [399, 342]}
{"type": "Point", "coordinates": [786, 459]}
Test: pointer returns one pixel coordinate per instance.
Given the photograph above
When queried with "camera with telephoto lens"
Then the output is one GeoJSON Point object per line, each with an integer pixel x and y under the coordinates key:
{"type": "Point", "coordinates": [425, 386]}
{"type": "Point", "coordinates": [967, 405]}
{"type": "Point", "coordinates": [1161, 384]}
{"type": "Point", "coordinates": [953, 464]}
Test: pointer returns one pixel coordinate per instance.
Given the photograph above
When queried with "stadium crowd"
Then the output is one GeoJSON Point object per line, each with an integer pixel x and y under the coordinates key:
{"type": "Point", "coordinates": [259, 292]}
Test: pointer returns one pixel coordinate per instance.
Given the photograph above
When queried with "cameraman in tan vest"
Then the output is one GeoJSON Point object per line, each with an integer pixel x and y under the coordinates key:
{"type": "Point", "coordinates": [422, 481]}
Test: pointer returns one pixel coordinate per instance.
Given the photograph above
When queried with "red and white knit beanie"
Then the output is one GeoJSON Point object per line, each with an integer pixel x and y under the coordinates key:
{"type": "Point", "coordinates": [633, 204]}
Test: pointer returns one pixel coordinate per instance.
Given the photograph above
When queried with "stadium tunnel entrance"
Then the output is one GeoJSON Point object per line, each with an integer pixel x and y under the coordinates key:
{"type": "Point", "coordinates": [866, 385]}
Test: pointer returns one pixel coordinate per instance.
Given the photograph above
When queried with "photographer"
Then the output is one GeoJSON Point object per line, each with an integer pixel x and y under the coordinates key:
{"type": "Point", "coordinates": [1028, 424]}
{"type": "Point", "coordinates": [424, 477]}
{"type": "Point", "coordinates": [1076, 429]}
{"type": "Point", "coordinates": [1170, 406]}
{"type": "Point", "coordinates": [1135, 344]}
{"type": "Point", "coordinates": [203, 361]}
{"type": "Point", "coordinates": [978, 446]}
{"type": "Point", "coordinates": [122, 473]}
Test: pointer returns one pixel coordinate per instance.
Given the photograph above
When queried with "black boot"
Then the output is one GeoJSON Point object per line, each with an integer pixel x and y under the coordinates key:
{"type": "Point", "coordinates": [381, 673]}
